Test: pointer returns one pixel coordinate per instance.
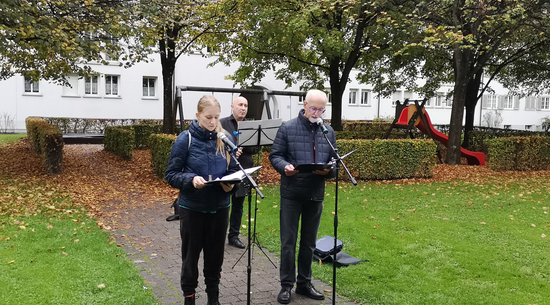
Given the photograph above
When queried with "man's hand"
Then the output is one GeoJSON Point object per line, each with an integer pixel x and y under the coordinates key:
{"type": "Point", "coordinates": [227, 187]}
{"type": "Point", "coordinates": [323, 172]}
{"type": "Point", "coordinates": [199, 182]}
{"type": "Point", "coordinates": [290, 171]}
{"type": "Point", "coordinates": [239, 152]}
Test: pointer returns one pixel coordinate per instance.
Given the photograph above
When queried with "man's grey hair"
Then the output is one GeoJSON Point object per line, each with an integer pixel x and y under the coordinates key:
{"type": "Point", "coordinates": [315, 93]}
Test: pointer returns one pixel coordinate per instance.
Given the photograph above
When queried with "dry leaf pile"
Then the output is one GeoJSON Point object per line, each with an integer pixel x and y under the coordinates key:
{"type": "Point", "coordinates": [106, 185]}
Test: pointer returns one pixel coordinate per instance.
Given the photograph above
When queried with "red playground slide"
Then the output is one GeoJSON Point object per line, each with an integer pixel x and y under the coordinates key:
{"type": "Point", "coordinates": [474, 158]}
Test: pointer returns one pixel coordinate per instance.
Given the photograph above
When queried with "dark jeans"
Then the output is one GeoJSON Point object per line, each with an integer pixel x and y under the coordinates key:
{"type": "Point", "coordinates": [202, 232]}
{"type": "Point", "coordinates": [310, 212]}
{"type": "Point", "coordinates": [236, 216]}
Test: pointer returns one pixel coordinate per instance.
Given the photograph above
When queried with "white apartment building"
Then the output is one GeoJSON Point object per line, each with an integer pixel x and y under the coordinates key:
{"type": "Point", "coordinates": [136, 93]}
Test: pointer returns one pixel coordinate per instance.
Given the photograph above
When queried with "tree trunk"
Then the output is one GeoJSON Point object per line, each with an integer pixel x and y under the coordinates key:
{"type": "Point", "coordinates": [461, 65]}
{"type": "Point", "coordinates": [337, 88]}
{"type": "Point", "coordinates": [472, 92]}
{"type": "Point", "coordinates": [168, 63]}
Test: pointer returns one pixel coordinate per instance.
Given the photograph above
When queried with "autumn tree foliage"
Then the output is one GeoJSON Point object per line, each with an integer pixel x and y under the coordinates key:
{"type": "Point", "coordinates": [313, 42]}
{"type": "Point", "coordinates": [47, 39]}
{"type": "Point", "coordinates": [173, 28]}
{"type": "Point", "coordinates": [468, 40]}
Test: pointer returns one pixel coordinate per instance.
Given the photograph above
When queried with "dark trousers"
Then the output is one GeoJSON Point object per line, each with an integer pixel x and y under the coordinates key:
{"type": "Point", "coordinates": [236, 216]}
{"type": "Point", "coordinates": [202, 232]}
{"type": "Point", "coordinates": [310, 212]}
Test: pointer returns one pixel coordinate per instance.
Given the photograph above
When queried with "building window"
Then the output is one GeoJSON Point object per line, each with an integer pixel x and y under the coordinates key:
{"type": "Point", "coordinates": [31, 86]}
{"type": "Point", "coordinates": [508, 102]}
{"type": "Point", "coordinates": [428, 103]}
{"type": "Point", "coordinates": [329, 96]}
{"type": "Point", "coordinates": [439, 100]}
{"type": "Point", "coordinates": [528, 127]}
{"type": "Point", "coordinates": [365, 97]}
{"type": "Point", "coordinates": [448, 100]}
{"type": "Point", "coordinates": [396, 97]}
{"type": "Point", "coordinates": [301, 99]}
{"type": "Point", "coordinates": [90, 85]}
{"type": "Point", "coordinates": [492, 101]}
{"type": "Point", "coordinates": [149, 86]}
{"type": "Point", "coordinates": [353, 96]}
{"type": "Point", "coordinates": [111, 84]}
{"type": "Point", "coordinates": [545, 103]}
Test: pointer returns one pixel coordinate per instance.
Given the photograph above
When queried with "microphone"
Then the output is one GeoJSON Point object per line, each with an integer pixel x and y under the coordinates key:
{"type": "Point", "coordinates": [226, 141]}
{"type": "Point", "coordinates": [323, 127]}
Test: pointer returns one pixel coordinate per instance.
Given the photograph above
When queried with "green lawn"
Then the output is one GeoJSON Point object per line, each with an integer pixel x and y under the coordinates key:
{"type": "Point", "coordinates": [52, 253]}
{"type": "Point", "coordinates": [438, 243]}
{"type": "Point", "coordinates": [11, 137]}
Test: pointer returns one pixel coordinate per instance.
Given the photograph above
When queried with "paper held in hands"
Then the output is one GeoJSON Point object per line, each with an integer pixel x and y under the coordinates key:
{"type": "Point", "coordinates": [236, 177]}
{"type": "Point", "coordinates": [311, 167]}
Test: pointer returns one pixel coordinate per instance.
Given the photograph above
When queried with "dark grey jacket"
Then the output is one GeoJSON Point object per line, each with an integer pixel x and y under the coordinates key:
{"type": "Point", "coordinates": [299, 141]}
{"type": "Point", "coordinates": [245, 159]}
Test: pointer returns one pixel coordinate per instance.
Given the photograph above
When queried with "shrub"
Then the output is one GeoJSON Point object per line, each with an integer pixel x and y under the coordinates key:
{"type": "Point", "coordinates": [388, 159]}
{"type": "Point", "coordinates": [519, 153]}
{"type": "Point", "coordinates": [120, 141]}
{"type": "Point", "coordinates": [46, 140]}
{"type": "Point", "coordinates": [33, 125]}
{"type": "Point", "coordinates": [51, 141]}
{"type": "Point", "coordinates": [161, 145]}
{"type": "Point", "coordinates": [143, 132]}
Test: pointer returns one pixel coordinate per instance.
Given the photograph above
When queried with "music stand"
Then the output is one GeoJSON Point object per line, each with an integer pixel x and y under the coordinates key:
{"type": "Point", "coordinates": [338, 161]}
{"type": "Point", "coordinates": [255, 133]}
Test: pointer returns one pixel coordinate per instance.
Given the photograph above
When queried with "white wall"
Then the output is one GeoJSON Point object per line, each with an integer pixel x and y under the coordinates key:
{"type": "Point", "coordinates": [193, 70]}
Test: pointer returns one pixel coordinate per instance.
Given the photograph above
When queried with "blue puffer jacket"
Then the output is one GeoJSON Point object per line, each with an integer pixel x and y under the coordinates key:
{"type": "Point", "coordinates": [299, 141]}
{"type": "Point", "coordinates": [198, 159]}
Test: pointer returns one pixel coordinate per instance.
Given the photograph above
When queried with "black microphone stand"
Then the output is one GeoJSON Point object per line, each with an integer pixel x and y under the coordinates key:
{"type": "Point", "coordinates": [338, 162]}
{"type": "Point", "coordinates": [252, 183]}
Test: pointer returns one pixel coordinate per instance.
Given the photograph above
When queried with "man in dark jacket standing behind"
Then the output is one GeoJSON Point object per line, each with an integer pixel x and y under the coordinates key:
{"type": "Point", "coordinates": [239, 109]}
{"type": "Point", "coordinates": [301, 141]}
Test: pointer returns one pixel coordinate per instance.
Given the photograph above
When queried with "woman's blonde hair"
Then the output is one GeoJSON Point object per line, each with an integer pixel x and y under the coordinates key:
{"type": "Point", "coordinates": [210, 101]}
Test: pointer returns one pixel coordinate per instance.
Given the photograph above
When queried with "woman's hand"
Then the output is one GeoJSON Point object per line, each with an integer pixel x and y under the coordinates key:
{"type": "Point", "coordinates": [199, 182]}
{"type": "Point", "coordinates": [227, 187]}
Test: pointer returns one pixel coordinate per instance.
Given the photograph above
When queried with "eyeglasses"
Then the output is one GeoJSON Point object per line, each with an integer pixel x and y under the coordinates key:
{"type": "Point", "coordinates": [320, 111]}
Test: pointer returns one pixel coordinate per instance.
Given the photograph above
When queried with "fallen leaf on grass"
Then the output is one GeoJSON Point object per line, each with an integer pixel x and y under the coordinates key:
{"type": "Point", "coordinates": [11, 262]}
{"type": "Point", "coordinates": [543, 235]}
{"type": "Point", "coordinates": [64, 254]}
{"type": "Point", "coordinates": [101, 286]}
{"type": "Point", "coordinates": [483, 223]}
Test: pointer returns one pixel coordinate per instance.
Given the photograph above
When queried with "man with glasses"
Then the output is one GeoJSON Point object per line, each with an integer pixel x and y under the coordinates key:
{"type": "Point", "coordinates": [301, 141]}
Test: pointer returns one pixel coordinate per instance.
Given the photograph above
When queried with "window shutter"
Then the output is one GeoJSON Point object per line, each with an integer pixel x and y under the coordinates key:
{"type": "Point", "coordinates": [501, 101]}
{"type": "Point", "coordinates": [484, 101]}
{"type": "Point", "coordinates": [529, 103]}
{"type": "Point", "coordinates": [516, 102]}
{"type": "Point", "coordinates": [538, 105]}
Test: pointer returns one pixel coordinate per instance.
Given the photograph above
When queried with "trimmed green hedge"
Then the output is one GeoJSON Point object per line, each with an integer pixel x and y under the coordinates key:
{"type": "Point", "coordinates": [161, 145]}
{"type": "Point", "coordinates": [120, 141]}
{"type": "Point", "coordinates": [143, 132]}
{"type": "Point", "coordinates": [47, 140]}
{"type": "Point", "coordinates": [388, 159]}
{"type": "Point", "coordinates": [519, 153]}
